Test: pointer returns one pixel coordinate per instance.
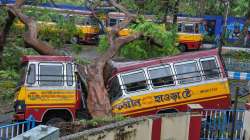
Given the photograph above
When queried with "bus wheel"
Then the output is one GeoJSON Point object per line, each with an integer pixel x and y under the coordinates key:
{"type": "Point", "coordinates": [182, 47]}
{"type": "Point", "coordinates": [74, 40]}
{"type": "Point", "coordinates": [54, 121]}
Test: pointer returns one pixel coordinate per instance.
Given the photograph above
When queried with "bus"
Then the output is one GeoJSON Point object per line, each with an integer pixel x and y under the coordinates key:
{"type": "Point", "coordinates": [51, 89]}
{"type": "Point", "coordinates": [189, 33]}
{"type": "Point", "coordinates": [168, 84]}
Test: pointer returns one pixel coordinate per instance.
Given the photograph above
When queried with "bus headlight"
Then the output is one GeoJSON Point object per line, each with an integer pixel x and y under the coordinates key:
{"type": "Point", "coordinates": [19, 106]}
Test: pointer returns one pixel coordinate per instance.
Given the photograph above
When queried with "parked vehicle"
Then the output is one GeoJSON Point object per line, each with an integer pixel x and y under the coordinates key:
{"type": "Point", "coordinates": [114, 18]}
{"type": "Point", "coordinates": [51, 91]}
{"type": "Point", "coordinates": [189, 35]}
{"type": "Point", "coordinates": [87, 28]}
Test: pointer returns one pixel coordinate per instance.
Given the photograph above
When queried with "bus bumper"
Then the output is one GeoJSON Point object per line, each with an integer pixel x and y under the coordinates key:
{"type": "Point", "coordinates": [19, 117]}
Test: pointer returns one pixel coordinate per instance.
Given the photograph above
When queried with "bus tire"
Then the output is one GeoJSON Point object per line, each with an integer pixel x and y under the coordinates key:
{"type": "Point", "coordinates": [57, 115]}
{"type": "Point", "coordinates": [182, 47]}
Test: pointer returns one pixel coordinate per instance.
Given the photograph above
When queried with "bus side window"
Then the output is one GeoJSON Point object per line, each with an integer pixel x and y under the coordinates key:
{"type": "Point", "coordinates": [210, 68]}
{"type": "Point", "coordinates": [188, 28]}
{"type": "Point", "coordinates": [187, 72]}
{"type": "Point", "coordinates": [134, 81]}
{"type": "Point", "coordinates": [161, 76]}
{"type": "Point", "coordinates": [115, 90]}
{"type": "Point", "coordinates": [31, 78]}
{"type": "Point", "coordinates": [69, 74]}
{"type": "Point", "coordinates": [179, 27]}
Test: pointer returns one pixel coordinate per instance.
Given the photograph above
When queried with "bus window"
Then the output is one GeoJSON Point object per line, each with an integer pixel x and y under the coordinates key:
{"type": "Point", "coordinates": [51, 74]}
{"type": "Point", "coordinates": [188, 28]}
{"type": "Point", "coordinates": [134, 81]}
{"type": "Point", "coordinates": [179, 27]}
{"type": "Point", "coordinates": [187, 72]}
{"type": "Point", "coordinates": [161, 76]}
{"type": "Point", "coordinates": [115, 90]}
{"type": "Point", "coordinates": [210, 68]}
{"type": "Point", "coordinates": [69, 74]}
{"type": "Point", "coordinates": [31, 78]}
{"type": "Point", "coordinates": [112, 22]}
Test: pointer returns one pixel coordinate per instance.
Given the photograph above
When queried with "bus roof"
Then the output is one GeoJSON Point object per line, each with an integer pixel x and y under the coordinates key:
{"type": "Point", "coordinates": [119, 67]}
{"type": "Point", "coordinates": [186, 19]}
{"type": "Point", "coordinates": [41, 58]}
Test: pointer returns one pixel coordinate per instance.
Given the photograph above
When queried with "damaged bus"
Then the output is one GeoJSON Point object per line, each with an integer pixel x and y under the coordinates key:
{"type": "Point", "coordinates": [168, 84]}
{"type": "Point", "coordinates": [51, 91]}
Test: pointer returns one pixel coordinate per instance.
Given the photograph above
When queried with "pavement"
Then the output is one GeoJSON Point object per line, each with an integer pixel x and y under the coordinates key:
{"type": "Point", "coordinates": [6, 118]}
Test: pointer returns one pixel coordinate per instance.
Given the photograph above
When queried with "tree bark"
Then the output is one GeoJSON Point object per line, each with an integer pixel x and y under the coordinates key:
{"type": "Point", "coordinates": [165, 18]}
{"type": "Point", "coordinates": [176, 10]}
{"type": "Point", "coordinates": [201, 7]}
{"type": "Point", "coordinates": [98, 100]}
{"type": "Point", "coordinates": [31, 36]}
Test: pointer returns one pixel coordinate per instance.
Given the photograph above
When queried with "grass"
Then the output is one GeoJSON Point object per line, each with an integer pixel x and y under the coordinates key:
{"type": "Point", "coordinates": [102, 121]}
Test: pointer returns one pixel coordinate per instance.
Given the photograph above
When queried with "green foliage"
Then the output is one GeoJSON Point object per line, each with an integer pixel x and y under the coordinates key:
{"type": "Point", "coordinates": [240, 55]}
{"type": "Point", "coordinates": [8, 81]}
{"type": "Point", "coordinates": [76, 48]}
{"type": "Point", "coordinates": [142, 48]}
{"type": "Point", "coordinates": [209, 39]}
{"type": "Point", "coordinates": [240, 8]}
{"type": "Point", "coordinates": [3, 14]}
{"type": "Point", "coordinates": [103, 43]}
{"type": "Point", "coordinates": [82, 61]}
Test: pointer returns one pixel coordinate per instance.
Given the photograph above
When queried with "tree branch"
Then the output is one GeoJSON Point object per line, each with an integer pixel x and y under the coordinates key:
{"type": "Point", "coordinates": [115, 45]}
{"type": "Point", "coordinates": [30, 37]}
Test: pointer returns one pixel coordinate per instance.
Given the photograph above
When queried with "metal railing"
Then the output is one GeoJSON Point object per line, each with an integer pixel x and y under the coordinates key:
{"type": "Point", "coordinates": [218, 124]}
{"type": "Point", "coordinates": [11, 130]}
{"type": "Point", "coordinates": [237, 65]}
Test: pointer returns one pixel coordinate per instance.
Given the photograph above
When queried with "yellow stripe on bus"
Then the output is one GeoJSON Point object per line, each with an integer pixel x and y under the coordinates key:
{"type": "Point", "coordinates": [165, 97]}
{"type": "Point", "coordinates": [167, 106]}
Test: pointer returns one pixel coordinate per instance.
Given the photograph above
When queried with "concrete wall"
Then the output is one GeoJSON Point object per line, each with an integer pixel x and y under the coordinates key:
{"type": "Point", "coordinates": [164, 127]}
{"type": "Point", "coordinates": [132, 129]}
{"type": "Point", "coordinates": [175, 127]}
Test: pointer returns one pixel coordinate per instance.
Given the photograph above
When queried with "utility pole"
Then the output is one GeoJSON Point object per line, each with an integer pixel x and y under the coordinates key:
{"type": "Point", "coordinates": [234, 113]}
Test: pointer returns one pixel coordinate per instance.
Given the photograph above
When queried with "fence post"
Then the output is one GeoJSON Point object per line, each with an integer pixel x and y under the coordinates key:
{"type": "Point", "coordinates": [156, 129]}
{"type": "Point", "coordinates": [31, 122]}
{"type": "Point", "coordinates": [195, 121]}
{"type": "Point", "coordinates": [234, 112]}
{"type": "Point", "coordinates": [246, 123]}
